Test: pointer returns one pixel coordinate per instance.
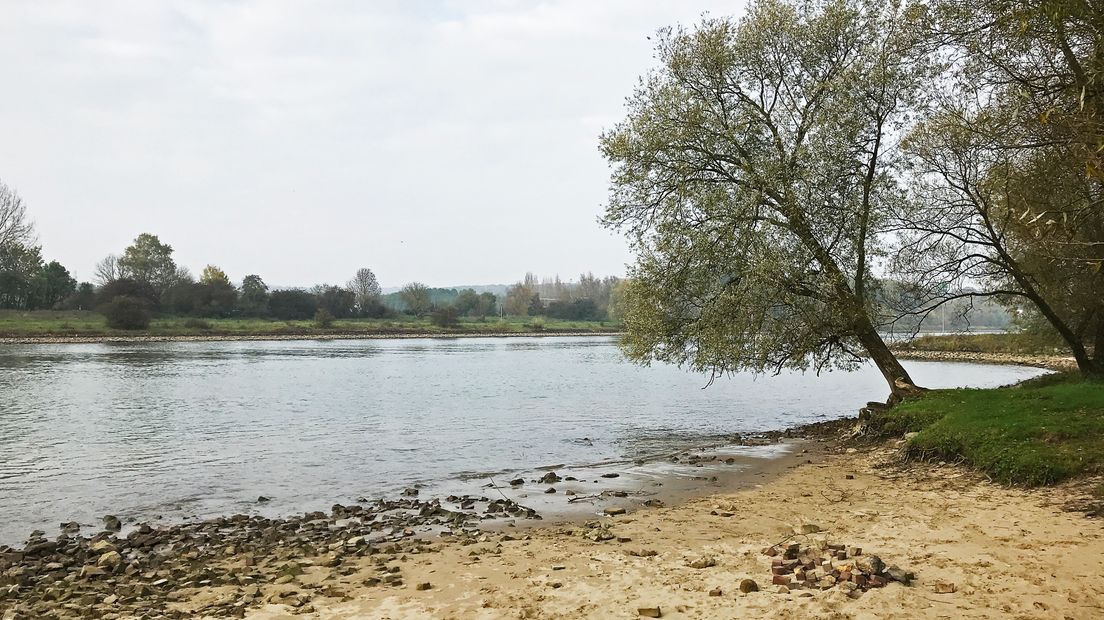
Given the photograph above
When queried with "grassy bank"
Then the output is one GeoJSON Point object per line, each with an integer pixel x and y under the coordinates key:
{"type": "Point", "coordinates": [45, 324]}
{"type": "Point", "coordinates": [1040, 432]}
{"type": "Point", "coordinates": [1010, 343]}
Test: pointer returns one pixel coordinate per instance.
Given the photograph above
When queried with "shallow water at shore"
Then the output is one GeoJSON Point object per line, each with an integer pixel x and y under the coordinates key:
{"type": "Point", "coordinates": [181, 430]}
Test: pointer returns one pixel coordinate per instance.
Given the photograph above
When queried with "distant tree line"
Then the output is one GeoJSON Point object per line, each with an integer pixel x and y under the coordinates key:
{"type": "Point", "coordinates": [145, 281]}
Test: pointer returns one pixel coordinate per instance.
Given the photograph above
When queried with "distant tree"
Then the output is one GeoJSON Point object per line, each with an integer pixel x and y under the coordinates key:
{"type": "Point", "coordinates": [51, 285]}
{"type": "Point", "coordinates": [125, 287]}
{"type": "Point", "coordinates": [15, 228]}
{"type": "Point", "coordinates": [519, 298]}
{"type": "Point", "coordinates": [415, 296]}
{"type": "Point", "coordinates": [84, 298]}
{"type": "Point", "coordinates": [19, 264]}
{"type": "Point", "coordinates": [366, 289]}
{"type": "Point", "coordinates": [150, 261]}
{"type": "Point", "coordinates": [466, 302]}
{"type": "Point", "coordinates": [578, 310]}
{"type": "Point", "coordinates": [129, 313]}
{"type": "Point", "coordinates": [292, 304]}
{"type": "Point", "coordinates": [445, 316]}
{"type": "Point", "coordinates": [485, 306]}
{"type": "Point", "coordinates": [107, 270]}
{"type": "Point", "coordinates": [214, 275]}
{"type": "Point", "coordinates": [323, 318]}
{"type": "Point", "coordinates": [536, 306]}
{"type": "Point", "coordinates": [339, 302]}
{"type": "Point", "coordinates": [253, 300]}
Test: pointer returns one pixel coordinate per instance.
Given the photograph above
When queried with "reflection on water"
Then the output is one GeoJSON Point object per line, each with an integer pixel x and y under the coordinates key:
{"type": "Point", "coordinates": [183, 429]}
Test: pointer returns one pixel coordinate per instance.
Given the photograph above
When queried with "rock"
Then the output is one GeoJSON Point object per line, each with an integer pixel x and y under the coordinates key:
{"type": "Point", "coordinates": [703, 562]}
{"type": "Point", "coordinates": [854, 551]}
{"type": "Point", "coordinates": [549, 478]}
{"type": "Point", "coordinates": [410, 492]}
{"type": "Point", "coordinates": [425, 585]}
{"type": "Point", "coordinates": [782, 590]}
{"type": "Point", "coordinates": [101, 546]}
{"type": "Point", "coordinates": [649, 612]}
{"type": "Point", "coordinates": [715, 592]}
{"type": "Point", "coordinates": [613, 476]}
{"type": "Point", "coordinates": [897, 574]}
{"type": "Point", "coordinates": [517, 482]}
{"type": "Point", "coordinates": [111, 559]}
{"type": "Point", "coordinates": [942, 587]}
{"type": "Point", "coordinates": [558, 567]}
{"type": "Point", "coordinates": [569, 492]}
{"type": "Point", "coordinates": [112, 523]}
{"type": "Point", "coordinates": [92, 571]}
{"type": "Point", "coordinates": [748, 585]}
{"type": "Point", "coordinates": [807, 528]}
{"type": "Point", "coordinates": [780, 580]}
{"type": "Point", "coordinates": [870, 564]}
{"type": "Point", "coordinates": [613, 511]}
{"type": "Point", "coordinates": [550, 490]}
{"type": "Point", "coordinates": [261, 499]}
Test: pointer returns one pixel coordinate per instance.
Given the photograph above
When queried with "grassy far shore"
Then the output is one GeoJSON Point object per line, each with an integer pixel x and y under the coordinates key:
{"type": "Point", "coordinates": [83, 324]}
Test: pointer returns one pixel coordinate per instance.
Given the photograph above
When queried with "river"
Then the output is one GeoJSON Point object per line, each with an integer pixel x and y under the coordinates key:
{"type": "Point", "coordinates": [185, 430]}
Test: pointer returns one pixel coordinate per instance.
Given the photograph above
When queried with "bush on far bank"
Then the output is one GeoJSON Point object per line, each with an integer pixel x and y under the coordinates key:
{"type": "Point", "coordinates": [128, 313]}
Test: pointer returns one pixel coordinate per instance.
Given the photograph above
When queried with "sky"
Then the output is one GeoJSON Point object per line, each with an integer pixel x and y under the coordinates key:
{"type": "Point", "coordinates": [446, 142]}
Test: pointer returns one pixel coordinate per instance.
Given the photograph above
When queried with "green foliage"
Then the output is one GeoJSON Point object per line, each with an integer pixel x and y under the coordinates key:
{"type": "Point", "coordinates": [126, 287]}
{"type": "Point", "coordinates": [83, 298]}
{"type": "Point", "coordinates": [445, 316]}
{"type": "Point", "coordinates": [750, 180]}
{"type": "Point", "coordinates": [51, 285]}
{"type": "Point", "coordinates": [323, 318]}
{"type": "Point", "coordinates": [292, 304]}
{"type": "Point", "coordinates": [149, 261]}
{"type": "Point", "coordinates": [19, 264]}
{"type": "Point", "coordinates": [214, 276]}
{"type": "Point", "coordinates": [416, 299]}
{"type": "Point", "coordinates": [1037, 433]}
{"type": "Point", "coordinates": [338, 302]}
{"type": "Point", "coordinates": [253, 300]}
{"type": "Point", "coordinates": [129, 313]}
{"type": "Point", "coordinates": [194, 323]}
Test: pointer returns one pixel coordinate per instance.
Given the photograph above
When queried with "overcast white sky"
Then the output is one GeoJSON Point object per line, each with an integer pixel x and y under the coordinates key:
{"type": "Point", "coordinates": [451, 142]}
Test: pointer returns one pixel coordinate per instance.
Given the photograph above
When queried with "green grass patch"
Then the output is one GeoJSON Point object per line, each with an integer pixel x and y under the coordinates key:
{"type": "Point", "coordinates": [1037, 433]}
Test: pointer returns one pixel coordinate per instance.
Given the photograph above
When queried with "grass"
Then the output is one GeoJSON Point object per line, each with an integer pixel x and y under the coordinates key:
{"type": "Point", "coordinates": [1022, 343]}
{"type": "Point", "coordinates": [46, 323]}
{"type": "Point", "coordinates": [1040, 432]}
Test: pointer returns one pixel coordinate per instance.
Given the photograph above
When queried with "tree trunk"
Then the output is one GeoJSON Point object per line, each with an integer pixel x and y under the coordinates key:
{"type": "Point", "coordinates": [900, 383]}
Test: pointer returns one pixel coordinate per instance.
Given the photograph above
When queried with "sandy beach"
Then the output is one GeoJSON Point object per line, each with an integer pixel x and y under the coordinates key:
{"type": "Point", "coordinates": [1005, 553]}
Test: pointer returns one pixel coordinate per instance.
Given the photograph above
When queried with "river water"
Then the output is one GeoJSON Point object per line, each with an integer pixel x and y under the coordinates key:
{"type": "Point", "coordinates": [183, 430]}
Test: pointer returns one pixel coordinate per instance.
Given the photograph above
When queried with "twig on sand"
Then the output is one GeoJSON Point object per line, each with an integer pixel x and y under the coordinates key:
{"type": "Point", "coordinates": [582, 497]}
{"type": "Point", "coordinates": [495, 487]}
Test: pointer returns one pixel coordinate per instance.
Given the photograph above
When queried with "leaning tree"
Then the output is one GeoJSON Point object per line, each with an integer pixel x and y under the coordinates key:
{"type": "Point", "coordinates": [752, 175]}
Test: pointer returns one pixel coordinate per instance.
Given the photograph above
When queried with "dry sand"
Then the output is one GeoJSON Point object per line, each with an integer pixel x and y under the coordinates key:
{"type": "Point", "coordinates": [1010, 554]}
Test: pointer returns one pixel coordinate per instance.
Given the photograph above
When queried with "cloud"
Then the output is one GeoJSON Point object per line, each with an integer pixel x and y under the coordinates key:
{"type": "Point", "coordinates": [445, 141]}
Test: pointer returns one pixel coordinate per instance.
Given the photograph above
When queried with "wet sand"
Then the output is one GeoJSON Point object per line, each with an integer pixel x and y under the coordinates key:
{"type": "Point", "coordinates": [1005, 553]}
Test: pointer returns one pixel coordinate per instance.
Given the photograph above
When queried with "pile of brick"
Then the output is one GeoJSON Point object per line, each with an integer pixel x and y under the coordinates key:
{"type": "Point", "coordinates": [824, 566]}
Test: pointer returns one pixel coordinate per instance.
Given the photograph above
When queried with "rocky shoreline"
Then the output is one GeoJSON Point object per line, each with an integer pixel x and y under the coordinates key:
{"type": "Point", "coordinates": [117, 570]}
{"type": "Point", "coordinates": [110, 575]}
{"type": "Point", "coordinates": [115, 339]}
